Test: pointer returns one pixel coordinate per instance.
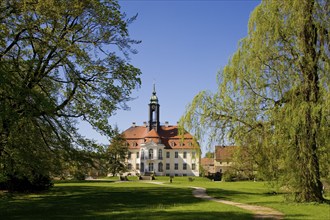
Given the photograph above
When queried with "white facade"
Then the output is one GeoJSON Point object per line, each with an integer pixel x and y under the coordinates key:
{"type": "Point", "coordinates": [154, 158]}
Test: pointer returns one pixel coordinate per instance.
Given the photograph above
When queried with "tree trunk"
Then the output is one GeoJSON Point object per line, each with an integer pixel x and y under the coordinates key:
{"type": "Point", "coordinates": [310, 183]}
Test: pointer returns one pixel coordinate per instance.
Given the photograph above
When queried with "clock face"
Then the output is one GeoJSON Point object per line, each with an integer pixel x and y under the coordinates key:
{"type": "Point", "coordinates": [153, 107]}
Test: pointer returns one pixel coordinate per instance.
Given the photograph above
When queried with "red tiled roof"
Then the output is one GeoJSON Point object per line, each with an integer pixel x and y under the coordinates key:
{"type": "Point", "coordinates": [207, 161]}
{"type": "Point", "coordinates": [152, 134]}
{"type": "Point", "coordinates": [224, 153]}
{"type": "Point", "coordinates": [136, 132]}
{"type": "Point", "coordinates": [169, 136]}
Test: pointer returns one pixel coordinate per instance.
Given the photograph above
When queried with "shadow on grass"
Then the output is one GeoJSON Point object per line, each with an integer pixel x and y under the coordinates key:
{"type": "Point", "coordinates": [90, 202]}
{"type": "Point", "coordinates": [85, 181]}
{"type": "Point", "coordinates": [184, 215]}
{"type": "Point", "coordinates": [234, 194]}
{"type": "Point", "coordinates": [327, 201]}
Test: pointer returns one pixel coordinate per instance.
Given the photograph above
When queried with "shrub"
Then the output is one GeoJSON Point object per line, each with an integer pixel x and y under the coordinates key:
{"type": "Point", "coordinates": [79, 175]}
{"type": "Point", "coordinates": [37, 182]}
{"type": "Point", "coordinates": [228, 176]}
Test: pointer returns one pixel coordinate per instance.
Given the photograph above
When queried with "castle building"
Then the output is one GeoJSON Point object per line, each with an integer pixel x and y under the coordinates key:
{"type": "Point", "coordinates": [160, 149]}
{"type": "Point", "coordinates": [223, 159]}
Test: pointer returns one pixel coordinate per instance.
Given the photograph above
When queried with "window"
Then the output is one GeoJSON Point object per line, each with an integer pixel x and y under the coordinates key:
{"type": "Point", "coordinates": [151, 153]}
{"type": "Point", "coordinates": [151, 167]}
{"type": "Point", "coordinates": [142, 154]}
{"type": "Point", "coordinates": [181, 144]}
{"type": "Point", "coordinates": [184, 154]}
{"type": "Point", "coordinates": [129, 155]}
{"type": "Point", "coordinates": [168, 154]}
{"type": "Point", "coordinates": [142, 167]}
{"type": "Point", "coordinates": [176, 154]}
{"type": "Point", "coordinates": [190, 144]}
{"type": "Point", "coordinates": [176, 166]}
{"type": "Point", "coordinates": [184, 166]}
{"type": "Point", "coordinates": [172, 144]}
{"type": "Point", "coordinates": [168, 166]}
{"type": "Point", "coordinates": [129, 166]}
{"type": "Point", "coordinates": [193, 154]}
{"type": "Point", "coordinates": [160, 154]}
{"type": "Point", "coordinates": [193, 166]}
{"type": "Point", "coordinates": [137, 166]}
{"type": "Point", "coordinates": [137, 154]}
{"type": "Point", "coordinates": [160, 167]}
{"type": "Point", "coordinates": [135, 144]}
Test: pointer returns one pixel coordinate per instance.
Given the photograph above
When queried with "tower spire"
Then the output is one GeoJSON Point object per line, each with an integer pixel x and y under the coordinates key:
{"type": "Point", "coordinates": [154, 98]}
{"type": "Point", "coordinates": [154, 111]}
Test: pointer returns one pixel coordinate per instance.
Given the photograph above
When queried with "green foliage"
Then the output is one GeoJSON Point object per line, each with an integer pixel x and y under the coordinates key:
{"type": "Point", "coordinates": [116, 154]}
{"type": "Point", "coordinates": [78, 175]}
{"type": "Point", "coordinates": [228, 176]}
{"type": "Point", "coordinates": [243, 162]}
{"type": "Point", "coordinates": [60, 62]}
{"type": "Point", "coordinates": [24, 183]}
{"type": "Point", "coordinates": [209, 154]}
{"type": "Point", "coordinates": [274, 97]}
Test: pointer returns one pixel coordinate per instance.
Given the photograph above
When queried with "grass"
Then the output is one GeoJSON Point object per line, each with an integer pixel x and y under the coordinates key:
{"type": "Point", "coordinates": [140, 200]}
{"type": "Point", "coordinates": [109, 200]}
{"type": "Point", "coordinates": [259, 193]}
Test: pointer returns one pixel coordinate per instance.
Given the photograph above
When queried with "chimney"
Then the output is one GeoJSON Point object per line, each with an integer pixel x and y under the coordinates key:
{"type": "Point", "coordinates": [133, 124]}
{"type": "Point", "coordinates": [145, 124]}
{"type": "Point", "coordinates": [166, 124]}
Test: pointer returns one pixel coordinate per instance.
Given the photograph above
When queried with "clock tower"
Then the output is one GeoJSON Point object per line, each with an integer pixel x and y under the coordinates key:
{"type": "Point", "coordinates": [154, 111]}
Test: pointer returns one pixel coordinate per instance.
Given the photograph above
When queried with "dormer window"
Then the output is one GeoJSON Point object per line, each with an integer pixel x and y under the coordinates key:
{"type": "Point", "coordinates": [172, 143]}
{"type": "Point", "coordinates": [135, 144]}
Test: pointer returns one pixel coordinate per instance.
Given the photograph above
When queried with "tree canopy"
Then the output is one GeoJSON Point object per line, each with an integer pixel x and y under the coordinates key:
{"type": "Point", "coordinates": [60, 62]}
{"type": "Point", "coordinates": [273, 96]}
{"type": "Point", "coordinates": [116, 154]}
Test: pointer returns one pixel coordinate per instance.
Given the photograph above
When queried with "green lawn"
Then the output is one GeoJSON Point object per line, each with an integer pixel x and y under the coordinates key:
{"type": "Point", "coordinates": [141, 200]}
{"type": "Point", "coordinates": [258, 193]}
{"type": "Point", "coordinates": [108, 200]}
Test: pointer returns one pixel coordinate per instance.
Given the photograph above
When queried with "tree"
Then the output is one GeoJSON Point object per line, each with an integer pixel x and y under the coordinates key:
{"type": "Point", "coordinates": [243, 163]}
{"type": "Point", "coordinates": [117, 154]}
{"type": "Point", "coordinates": [60, 62]}
{"type": "Point", "coordinates": [274, 98]}
{"type": "Point", "coordinates": [209, 154]}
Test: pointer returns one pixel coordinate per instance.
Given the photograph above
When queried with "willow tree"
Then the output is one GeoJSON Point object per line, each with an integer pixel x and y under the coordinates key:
{"type": "Point", "coordinates": [61, 62]}
{"type": "Point", "coordinates": [274, 96]}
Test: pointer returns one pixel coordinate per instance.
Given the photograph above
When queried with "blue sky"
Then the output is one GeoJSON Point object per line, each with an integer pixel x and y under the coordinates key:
{"type": "Point", "coordinates": [184, 44]}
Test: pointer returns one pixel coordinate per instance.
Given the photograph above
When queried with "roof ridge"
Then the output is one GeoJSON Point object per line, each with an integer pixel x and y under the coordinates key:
{"type": "Point", "coordinates": [152, 133]}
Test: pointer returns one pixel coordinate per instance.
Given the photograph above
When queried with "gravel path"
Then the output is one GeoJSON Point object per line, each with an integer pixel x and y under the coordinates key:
{"type": "Point", "coordinates": [260, 212]}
